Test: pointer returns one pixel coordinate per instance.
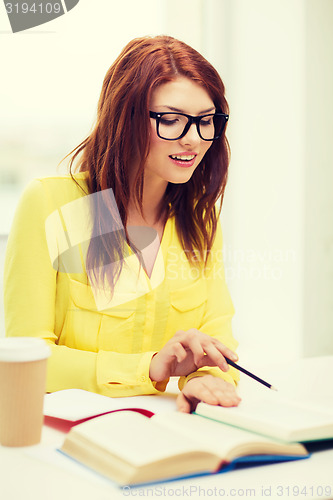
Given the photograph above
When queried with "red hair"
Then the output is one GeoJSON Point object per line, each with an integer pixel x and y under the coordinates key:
{"type": "Point", "coordinates": [122, 132]}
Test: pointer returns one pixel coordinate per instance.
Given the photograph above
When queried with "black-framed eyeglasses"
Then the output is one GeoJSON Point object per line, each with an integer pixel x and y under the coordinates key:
{"type": "Point", "coordinates": [172, 126]}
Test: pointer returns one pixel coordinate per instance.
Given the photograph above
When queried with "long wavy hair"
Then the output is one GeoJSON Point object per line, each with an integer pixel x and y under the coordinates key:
{"type": "Point", "coordinates": [122, 134]}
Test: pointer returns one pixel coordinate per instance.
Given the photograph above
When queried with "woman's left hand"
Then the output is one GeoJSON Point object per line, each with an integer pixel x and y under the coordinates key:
{"type": "Point", "coordinates": [209, 389]}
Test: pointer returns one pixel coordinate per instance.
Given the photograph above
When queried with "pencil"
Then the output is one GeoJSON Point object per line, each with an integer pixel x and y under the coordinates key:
{"type": "Point", "coordinates": [260, 380]}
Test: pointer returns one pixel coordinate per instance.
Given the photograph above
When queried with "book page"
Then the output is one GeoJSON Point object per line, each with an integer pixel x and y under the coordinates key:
{"type": "Point", "coordinates": [77, 404]}
{"type": "Point", "coordinates": [271, 415]}
{"type": "Point", "coordinates": [215, 436]}
{"type": "Point", "coordinates": [134, 438]}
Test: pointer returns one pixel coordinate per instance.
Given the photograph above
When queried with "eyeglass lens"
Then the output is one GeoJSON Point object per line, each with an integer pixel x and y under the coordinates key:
{"type": "Point", "coordinates": [171, 126]}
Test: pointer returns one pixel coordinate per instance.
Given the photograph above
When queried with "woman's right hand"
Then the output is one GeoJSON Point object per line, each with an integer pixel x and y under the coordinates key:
{"type": "Point", "coordinates": [187, 351]}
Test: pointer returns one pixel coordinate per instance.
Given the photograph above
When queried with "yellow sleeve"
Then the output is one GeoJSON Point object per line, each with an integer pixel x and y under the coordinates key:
{"type": "Point", "coordinates": [32, 306]}
{"type": "Point", "coordinates": [219, 312]}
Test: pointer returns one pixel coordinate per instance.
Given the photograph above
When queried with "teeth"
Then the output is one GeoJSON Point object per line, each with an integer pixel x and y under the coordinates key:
{"type": "Point", "coordinates": [183, 157]}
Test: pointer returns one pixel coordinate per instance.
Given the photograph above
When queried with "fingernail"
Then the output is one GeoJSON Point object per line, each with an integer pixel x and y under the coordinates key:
{"type": "Point", "coordinates": [234, 356]}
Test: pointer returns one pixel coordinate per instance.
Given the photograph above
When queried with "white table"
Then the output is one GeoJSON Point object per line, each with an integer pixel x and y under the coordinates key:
{"type": "Point", "coordinates": [38, 473]}
{"type": "Point", "coordinates": [28, 477]}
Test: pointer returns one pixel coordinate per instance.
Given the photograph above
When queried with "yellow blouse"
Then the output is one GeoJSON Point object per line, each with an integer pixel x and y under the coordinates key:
{"type": "Point", "coordinates": [101, 345]}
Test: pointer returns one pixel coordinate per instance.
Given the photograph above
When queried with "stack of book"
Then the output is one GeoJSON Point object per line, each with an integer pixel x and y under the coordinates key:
{"type": "Point", "coordinates": [144, 439]}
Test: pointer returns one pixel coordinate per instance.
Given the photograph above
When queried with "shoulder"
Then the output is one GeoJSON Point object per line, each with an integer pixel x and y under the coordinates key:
{"type": "Point", "coordinates": [55, 191]}
{"type": "Point", "coordinates": [67, 182]}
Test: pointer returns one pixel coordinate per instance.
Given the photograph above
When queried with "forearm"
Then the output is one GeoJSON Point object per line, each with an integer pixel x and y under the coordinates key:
{"type": "Point", "coordinates": [108, 373]}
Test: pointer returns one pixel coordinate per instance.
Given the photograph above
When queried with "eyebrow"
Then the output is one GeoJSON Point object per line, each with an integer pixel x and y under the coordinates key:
{"type": "Point", "coordinates": [177, 110]}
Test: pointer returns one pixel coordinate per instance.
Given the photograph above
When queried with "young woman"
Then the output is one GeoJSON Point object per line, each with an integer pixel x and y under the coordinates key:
{"type": "Point", "coordinates": [119, 266]}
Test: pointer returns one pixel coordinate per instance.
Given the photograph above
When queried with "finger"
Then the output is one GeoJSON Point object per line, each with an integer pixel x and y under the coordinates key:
{"type": "Point", "coordinates": [192, 340]}
{"type": "Point", "coordinates": [224, 392]}
{"type": "Point", "coordinates": [199, 391]}
{"type": "Point", "coordinates": [200, 344]}
{"type": "Point", "coordinates": [213, 357]}
{"type": "Point", "coordinates": [183, 404]}
{"type": "Point", "coordinates": [163, 363]}
{"type": "Point", "coordinates": [217, 352]}
{"type": "Point", "coordinates": [227, 396]}
{"type": "Point", "coordinates": [173, 351]}
{"type": "Point", "coordinates": [225, 350]}
{"type": "Point", "coordinates": [203, 349]}
{"type": "Point", "coordinates": [195, 346]}
{"type": "Point", "coordinates": [208, 361]}
{"type": "Point", "coordinates": [227, 399]}
{"type": "Point", "coordinates": [178, 351]}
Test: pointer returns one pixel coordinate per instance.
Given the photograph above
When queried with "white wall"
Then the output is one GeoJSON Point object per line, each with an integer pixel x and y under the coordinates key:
{"type": "Point", "coordinates": [276, 59]}
{"type": "Point", "coordinates": [318, 242]}
{"type": "Point", "coordinates": [264, 204]}
{"type": "Point", "coordinates": [51, 78]}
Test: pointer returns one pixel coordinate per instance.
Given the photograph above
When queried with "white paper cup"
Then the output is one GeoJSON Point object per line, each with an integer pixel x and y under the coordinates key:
{"type": "Point", "coordinates": [23, 362]}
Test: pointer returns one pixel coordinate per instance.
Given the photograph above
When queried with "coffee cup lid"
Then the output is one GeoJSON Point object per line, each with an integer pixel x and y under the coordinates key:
{"type": "Point", "coordinates": [14, 349]}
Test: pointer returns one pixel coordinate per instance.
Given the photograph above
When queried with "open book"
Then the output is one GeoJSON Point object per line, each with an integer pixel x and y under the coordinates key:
{"type": "Point", "coordinates": [262, 411]}
{"type": "Point", "coordinates": [272, 415]}
{"type": "Point", "coordinates": [130, 448]}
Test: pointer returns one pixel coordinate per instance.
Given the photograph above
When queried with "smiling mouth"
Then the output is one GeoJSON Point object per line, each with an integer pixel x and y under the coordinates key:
{"type": "Point", "coordinates": [182, 157]}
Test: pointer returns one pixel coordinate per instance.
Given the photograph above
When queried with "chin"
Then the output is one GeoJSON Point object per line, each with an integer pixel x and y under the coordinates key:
{"type": "Point", "coordinates": [181, 177]}
{"type": "Point", "coordinates": [180, 181]}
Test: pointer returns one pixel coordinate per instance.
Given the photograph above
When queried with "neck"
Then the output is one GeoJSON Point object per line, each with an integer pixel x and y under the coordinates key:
{"type": "Point", "coordinates": [152, 203]}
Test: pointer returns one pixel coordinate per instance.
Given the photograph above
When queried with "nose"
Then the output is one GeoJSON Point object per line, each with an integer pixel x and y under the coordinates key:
{"type": "Point", "coordinates": [192, 137]}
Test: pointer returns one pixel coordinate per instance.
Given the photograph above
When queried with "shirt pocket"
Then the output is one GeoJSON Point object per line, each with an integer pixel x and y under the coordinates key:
{"type": "Point", "coordinates": [117, 327]}
{"type": "Point", "coordinates": [88, 328]}
{"type": "Point", "coordinates": [187, 306]}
